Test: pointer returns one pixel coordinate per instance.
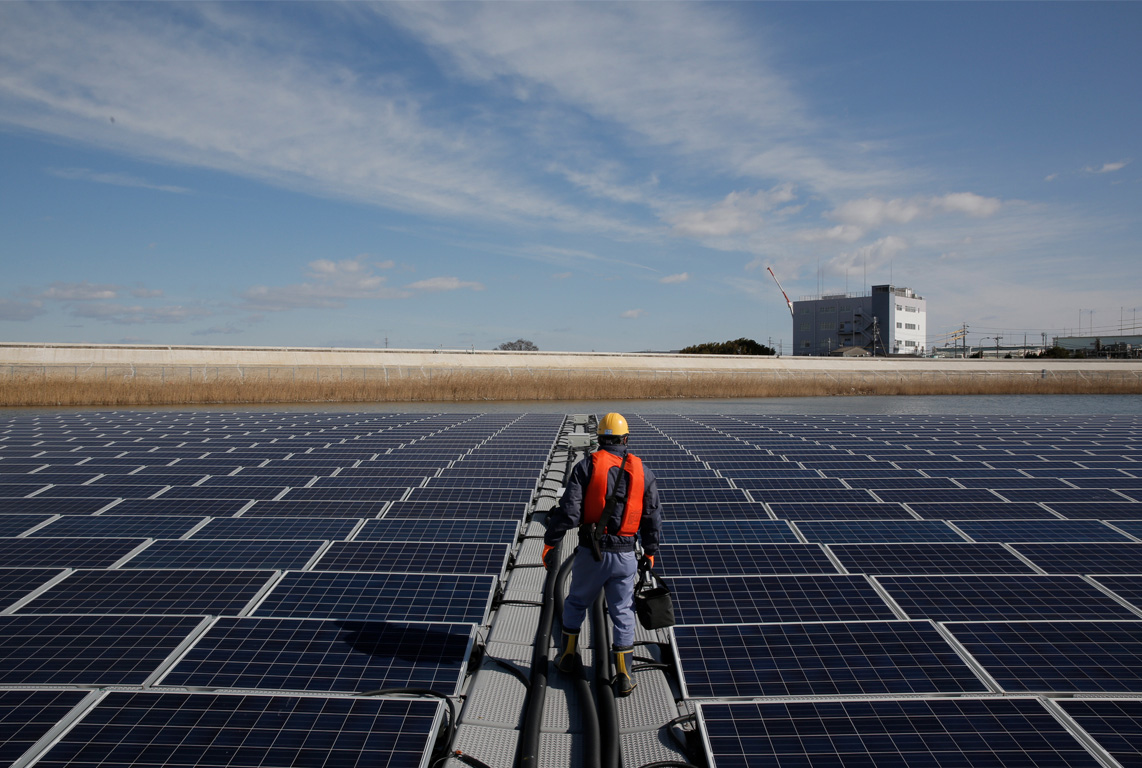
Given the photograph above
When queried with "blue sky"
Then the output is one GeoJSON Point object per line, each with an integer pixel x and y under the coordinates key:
{"type": "Point", "coordinates": [597, 176]}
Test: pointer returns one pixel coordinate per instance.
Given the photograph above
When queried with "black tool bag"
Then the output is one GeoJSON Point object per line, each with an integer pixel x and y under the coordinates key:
{"type": "Point", "coordinates": [652, 603]}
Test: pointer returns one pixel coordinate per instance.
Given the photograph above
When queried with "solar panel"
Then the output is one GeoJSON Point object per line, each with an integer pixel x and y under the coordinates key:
{"type": "Point", "coordinates": [110, 525]}
{"type": "Point", "coordinates": [1057, 656]}
{"type": "Point", "coordinates": [760, 485]}
{"type": "Point", "coordinates": [1062, 494]}
{"type": "Point", "coordinates": [225, 553]}
{"type": "Point", "coordinates": [936, 494]}
{"type": "Point", "coordinates": [734, 559]}
{"type": "Point", "coordinates": [1116, 724]}
{"type": "Point", "coordinates": [824, 495]}
{"type": "Point", "coordinates": [1040, 530]}
{"type": "Point", "coordinates": [714, 511]}
{"type": "Point", "coordinates": [820, 659]}
{"type": "Point", "coordinates": [381, 597]}
{"type": "Point", "coordinates": [332, 509]}
{"type": "Point", "coordinates": [890, 733]}
{"type": "Point", "coordinates": [722, 531]}
{"type": "Point", "coordinates": [152, 591]}
{"type": "Point", "coordinates": [854, 531]}
{"type": "Point", "coordinates": [325, 655]}
{"type": "Point", "coordinates": [415, 529]}
{"type": "Point", "coordinates": [265, 527]}
{"type": "Point", "coordinates": [26, 716]}
{"type": "Point", "coordinates": [990, 598]}
{"type": "Point", "coordinates": [199, 493]}
{"type": "Point", "coordinates": [752, 599]}
{"type": "Point", "coordinates": [414, 557]}
{"type": "Point", "coordinates": [1085, 510]}
{"type": "Point", "coordinates": [1102, 557]}
{"type": "Point", "coordinates": [189, 730]}
{"type": "Point", "coordinates": [474, 510]}
{"type": "Point", "coordinates": [467, 495]}
{"type": "Point", "coordinates": [15, 583]}
{"type": "Point", "coordinates": [835, 511]}
{"type": "Point", "coordinates": [993, 510]}
{"type": "Point", "coordinates": [920, 558]}
{"type": "Point", "coordinates": [350, 493]}
{"type": "Point", "coordinates": [1127, 586]}
{"type": "Point", "coordinates": [87, 650]}
{"type": "Point", "coordinates": [65, 553]}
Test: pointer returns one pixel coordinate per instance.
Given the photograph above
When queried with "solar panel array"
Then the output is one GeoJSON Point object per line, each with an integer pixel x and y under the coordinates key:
{"type": "Point", "coordinates": [910, 590]}
{"type": "Point", "coordinates": [850, 590]}
{"type": "Point", "coordinates": [239, 578]}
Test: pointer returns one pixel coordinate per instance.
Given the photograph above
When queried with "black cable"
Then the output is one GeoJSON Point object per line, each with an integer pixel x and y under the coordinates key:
{"type": "Point", "coordinates": [528, 754]}
{"type": "Point", "coordinates": [589, 711]}
{"type": "Point", "coordinates": [669, 764]}
{"type": "Point", "coordinates": [605, 694]}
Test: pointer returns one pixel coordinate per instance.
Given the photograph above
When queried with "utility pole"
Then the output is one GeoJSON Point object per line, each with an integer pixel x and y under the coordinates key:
{"type": "Point", "coordinates": [965, 338]}
{"type": "Point", "coordinates": [997, 338]}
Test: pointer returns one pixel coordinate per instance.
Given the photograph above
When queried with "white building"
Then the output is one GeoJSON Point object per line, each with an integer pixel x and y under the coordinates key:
{"type": "Point", "coordinates": [886, 321]}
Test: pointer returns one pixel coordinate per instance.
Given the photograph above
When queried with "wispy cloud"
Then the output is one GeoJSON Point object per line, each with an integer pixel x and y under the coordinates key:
{"type": "Point", "coordinates": [435, 284]}
{"type": "Point", "coordinates": [681, 277]}
{"type": "Point", "coordinates": [17, 310]}
{"type": "Point", "coordinates": [330, 285]}
{"type": "Point", "coordinates": [1107, 167]}
{"type": "Point", "coordinates": [124, 314]}
{"type": "Point", "coordinates": [738, 213]}
{"type": "Point", "coordinates": [872, 212]}
{"type": "Point", "coordinates": [115, 179]}
{"type": "Point", "coordinates": [82, 291]}
{"type": "Point", "coordinates": [632, 314]}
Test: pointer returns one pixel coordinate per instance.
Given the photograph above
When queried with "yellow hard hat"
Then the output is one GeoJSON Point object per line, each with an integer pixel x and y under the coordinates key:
{"type": "Point", "coordinates": [613, 424]}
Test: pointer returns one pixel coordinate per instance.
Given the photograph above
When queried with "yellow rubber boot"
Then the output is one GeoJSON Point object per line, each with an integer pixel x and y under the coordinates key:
{"type": "Point", "coordinates": [567, 652]}
{"type": "Point", "coordinates": [624, 683]}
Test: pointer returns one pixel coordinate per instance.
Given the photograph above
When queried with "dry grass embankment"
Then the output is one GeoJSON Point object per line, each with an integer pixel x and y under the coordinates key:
{"type": "Point", "coordinates": [457, 385]}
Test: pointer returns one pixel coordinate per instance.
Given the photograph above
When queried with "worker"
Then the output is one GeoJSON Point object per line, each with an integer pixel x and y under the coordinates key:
{"type": "Point", "coordinates": [613, 500]}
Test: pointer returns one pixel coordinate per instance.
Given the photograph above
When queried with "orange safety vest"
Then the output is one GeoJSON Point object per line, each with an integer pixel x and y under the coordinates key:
{"type": "Point", "coordinates": [595, 497]}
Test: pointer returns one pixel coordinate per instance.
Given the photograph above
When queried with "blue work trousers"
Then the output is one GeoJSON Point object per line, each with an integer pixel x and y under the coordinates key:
{"type": "Point", "coordinates": [615, 575]}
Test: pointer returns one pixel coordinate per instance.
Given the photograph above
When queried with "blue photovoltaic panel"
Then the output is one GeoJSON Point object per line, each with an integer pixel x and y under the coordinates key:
{"type": "Point", "coordinates": [20, 489]}
{"type": "Point", "coordinates": [714, 511]}
{"type": "Point", "coordinates": [352, 493]}
{"type": "Point", "coordinates": [993, 598]}
{"type": "Point", "coordinates": [1116, 724]}
{"type": "Point", "coordinates": [908, 496]}
{"type": "Point", "coordinates": [753, 599]}
{"type": "Point", "coordinates": [487, 480]}
{"type": "Point", "coordinates": [764, 474]}
{"type": "Point", "coordinates": [333, 509]}
{"type": "Point", "coordinates": [87, 650]}
{"type": "Point", "coordinates": [997, 510]}
{"type": "Point", "coordinates": [1057, 656]}
{"type": "Point", "coordinates": [1039, 530]}
{"type": "Point", "coordinates": [722, 531]}
{"type": "Point", "coordinates": [834, 511]}
{"type": "Point", "coordinates": [900, 483]}
{"type": "Point", "coordinates": [14, 525]}
{"type": "Point", "coordinates": [325, 655]}
{"type": "Point", "coordinates": [25, 716]}
{"type": "Point", "coordinates": [39, 506]}
{"type": "Point", "coordinates": [64, 553]}
{"type": "Point", "coordinates": [762, 484]}
{"type": "Point", "coordinates": [476, 510]}
{"type": "Point", "coordinates": [164, 506]}
{"type": "Point", "coordinates": [414, 529]}
{"type": "Point", "coordinates": [266, 527]}
{"type": "Point", "coordinates": [1102, 557]}
{"type": "Point", "coordinates": [466, 495]}
{"type": "Point", "coordinates": [920, 558]}
{"type": "Point", "coordinates": [152, 591]}
{"type": "Point", "coordinates": [820, 659]}
{"type": "Point", "coordinates": [703, 496]}
{"type": "Point", "coordinates": [1097, 510]}
{"type": "Point", "coordinates": [1049, 495]}
{"type": "Point", "coordinates": [225, 553]}
{"type": "Point", "coordinates": [199, 730]}
{"type": "Point", "coordinates": [101, 492]}
{"type": "Point", "coordinates": [890, 733]}
{"type": "Point", "coordinates": [18, 582]}
{"type": "Point", "coordinates": [1120, 483]}
{"type": "Point", "coordinates": [381, 597]}
{"type": "Point", "coordinates": [110, 525]}
{"type": "Point", "coordinates": [853, 531]}
{"type": "Point", "coordinates": [1127, 586]}
{"type": "Point", "coordinates": [414, 557]}
{"type": "Point", "coordinates": [839, 496]}
{"type": "Point", "coordinates": [734, 559]}
{"type": "Point", "coordinates": [1021, 483]}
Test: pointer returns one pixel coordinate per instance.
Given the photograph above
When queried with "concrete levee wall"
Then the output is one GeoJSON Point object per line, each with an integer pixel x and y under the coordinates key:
{"type": "Point", "coordinates": [72, 359]}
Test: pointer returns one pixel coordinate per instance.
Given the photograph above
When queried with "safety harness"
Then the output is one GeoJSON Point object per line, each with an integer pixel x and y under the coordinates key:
{"type": "Point", "coordinates": [596, 515]}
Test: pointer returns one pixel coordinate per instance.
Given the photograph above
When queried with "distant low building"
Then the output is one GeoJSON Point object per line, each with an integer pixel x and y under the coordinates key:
{"type": "Point", "coordinates": [886, 321]}
{"type": "Point", "coordinates": [1110, 345]}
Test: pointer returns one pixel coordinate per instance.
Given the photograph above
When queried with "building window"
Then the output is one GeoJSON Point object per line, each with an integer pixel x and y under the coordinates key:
{"type": "Point", "coordinates": [909, 343]}
{"type": "Point", "coordinates": [899, 307]}
{"type": "Point", "coordinates": [828, 325]}
{"type": "Point", "coordinates": [807, 344]}
{"type": "Point", "coordinates": [900, 325]}
{"type": "Point", "coordinates": [909, 326]}
{"type": "Point", "coordinates": [828, 310]}
{"type": "Point", "coordinates": [910, 309]}
{"type": "Point", "coordinates": [806, 326]}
